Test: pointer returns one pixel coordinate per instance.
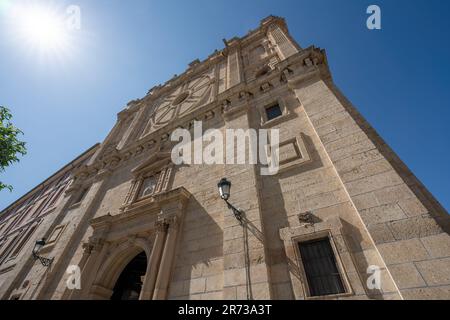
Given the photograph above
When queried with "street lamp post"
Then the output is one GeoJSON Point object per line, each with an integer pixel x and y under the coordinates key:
{"type": "Point", "coordinates": [46, 262]}
{"type": "Point", "coordinates": [225, 191]}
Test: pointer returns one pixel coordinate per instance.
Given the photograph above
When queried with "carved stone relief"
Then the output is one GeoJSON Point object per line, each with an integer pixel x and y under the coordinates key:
{"type": "Point", "coordinates": [184, 99]}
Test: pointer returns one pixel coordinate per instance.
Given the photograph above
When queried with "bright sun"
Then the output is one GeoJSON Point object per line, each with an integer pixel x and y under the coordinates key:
{"type": "Point", "coordinates": [41, 29]}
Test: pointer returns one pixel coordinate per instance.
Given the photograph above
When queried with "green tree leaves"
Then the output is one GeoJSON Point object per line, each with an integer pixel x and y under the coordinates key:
{"type": "Point", "coordinates": [10, 145]}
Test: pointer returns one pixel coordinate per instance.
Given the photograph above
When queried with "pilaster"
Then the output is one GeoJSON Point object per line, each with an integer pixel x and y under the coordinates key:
{"type": "Point", "coordinates": [246, 274]}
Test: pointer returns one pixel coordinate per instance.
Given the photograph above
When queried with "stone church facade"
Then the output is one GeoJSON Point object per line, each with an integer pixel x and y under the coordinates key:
{"type": "Point", "coordinates": [343, 218]}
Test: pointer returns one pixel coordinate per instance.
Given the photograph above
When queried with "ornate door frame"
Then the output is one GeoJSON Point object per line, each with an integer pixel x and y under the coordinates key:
{"type": "Point", "coordinates": [153, 226]}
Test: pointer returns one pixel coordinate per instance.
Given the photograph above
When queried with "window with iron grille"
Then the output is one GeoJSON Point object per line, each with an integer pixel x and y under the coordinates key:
{"type": "Point", "coordinates": [321, 269]}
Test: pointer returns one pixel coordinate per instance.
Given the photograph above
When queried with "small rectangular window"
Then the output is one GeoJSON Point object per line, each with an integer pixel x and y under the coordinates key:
{"type": "Point", "coordinates": [320, 267]}
{"type": "Point", "coordinates": [273, 112]}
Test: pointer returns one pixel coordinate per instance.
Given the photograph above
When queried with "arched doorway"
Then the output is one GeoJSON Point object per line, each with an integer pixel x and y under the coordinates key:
{"type": "Point", "coordinates": [129, 283]}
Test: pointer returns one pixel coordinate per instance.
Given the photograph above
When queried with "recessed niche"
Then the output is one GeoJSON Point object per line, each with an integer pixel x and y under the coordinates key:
{"type": "Point", "coordinates": [293, 152]}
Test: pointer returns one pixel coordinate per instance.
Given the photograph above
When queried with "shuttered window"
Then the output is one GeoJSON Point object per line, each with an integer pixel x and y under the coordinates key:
{"type": "Point", "coordinates": [320, 267]}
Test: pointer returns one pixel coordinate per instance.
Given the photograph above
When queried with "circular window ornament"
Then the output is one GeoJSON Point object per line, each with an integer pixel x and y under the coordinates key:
{"type": "Point", "coordinates": [180, 98]}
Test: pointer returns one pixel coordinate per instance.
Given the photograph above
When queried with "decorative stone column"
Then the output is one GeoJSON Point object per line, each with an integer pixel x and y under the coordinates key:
{"type": "Point", "coordinates": [93, 255]}
{"type": "Point", "coordinates": [136, 112]}
{"type": "Point", "coordinates": [154, 259]}
{"type": "Point", "coordinates": [234, 63]}
{"type": "Point", "coordinates": [162, 282]}
{"type": "Point", "coordinates": [170, 220]}
{"type": "Point", "coordinates": [284, 46]}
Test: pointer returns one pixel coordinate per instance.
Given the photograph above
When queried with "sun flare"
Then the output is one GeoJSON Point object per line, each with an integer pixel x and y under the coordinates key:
{"type": "Point", "coordinates": [42, 29]}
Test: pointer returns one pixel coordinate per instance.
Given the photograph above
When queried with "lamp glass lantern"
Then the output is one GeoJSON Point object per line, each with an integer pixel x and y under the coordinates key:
{"type": "Point", "coordinates": [224, 188]}
{"type": "Point", "coordinates": [38, 246]}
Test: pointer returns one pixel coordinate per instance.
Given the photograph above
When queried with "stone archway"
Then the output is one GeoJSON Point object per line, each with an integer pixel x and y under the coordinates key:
{"type": "Point", "coordinates": [129, 284]}
{"type": "Point", "coordinates": [152, 227]}
{"type": "Point", "coordinates": [115, 265]}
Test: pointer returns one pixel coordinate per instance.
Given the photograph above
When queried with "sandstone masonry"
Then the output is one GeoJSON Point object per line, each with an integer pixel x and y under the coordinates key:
{"type": "Point", "coordinates": [338, 181]}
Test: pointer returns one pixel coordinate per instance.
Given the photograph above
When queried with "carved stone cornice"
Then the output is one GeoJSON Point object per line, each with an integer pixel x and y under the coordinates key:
{"type": "Point", "coordinates": [101, 222]}
{"type": "Point", "coordinates": [179, 194]}
{"type": "Point", "coordinates": [304, 78]}
{"type": "Point", "coordinates": [87, 248]}
{"type": "Point", "coordinates": [93, 245]}
{"type": "Point", "coordinates": [200, 66]}
{"type": "Point", "coordinates": [309, 57]}
{"type": "Point", "coordinates": [236, 111]}
{"type": "Point", "coordinates": [271, 20]}
{"type": "Point", "coordinates": [304, 66]}
{"type": "Point", "coordinates": [167, 222]}
{"type": "Point", "coordinates": [102, 174]}
{"type": "Point", "coordinates": [161, 226]}
{"type": "Point", "coordinates": [158, 91]}
{"type": "Point", "coordinates": [237, 42]}
{"type": "Point", "coordinates": [143, 143]}
{"type": "Point", "coordinates": [333, 224]}
{"type": "Point", "coordinates": [156, 160]}
{"type": "Point", "coordinates": [164, 205]}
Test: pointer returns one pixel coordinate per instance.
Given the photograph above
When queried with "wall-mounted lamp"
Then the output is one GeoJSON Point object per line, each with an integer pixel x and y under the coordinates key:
{"type": "Point", "coordinates": [224, 191]}
{"type": "Point", "coordinates": [46, 262]}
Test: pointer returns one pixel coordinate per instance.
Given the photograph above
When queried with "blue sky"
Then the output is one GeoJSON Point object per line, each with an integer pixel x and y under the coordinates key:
{"type": "Point", "coordinates": [398, 77]}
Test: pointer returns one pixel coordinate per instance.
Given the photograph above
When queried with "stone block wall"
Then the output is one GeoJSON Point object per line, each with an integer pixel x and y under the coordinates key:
{"type": "Point", "coordinates": [338, 180]}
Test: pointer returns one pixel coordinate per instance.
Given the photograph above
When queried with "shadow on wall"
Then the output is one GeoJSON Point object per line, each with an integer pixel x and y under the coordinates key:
{"type": "Point", "coordinates": [199, 261]}
{"type": "Point", "coordinates": [354, 239]}
{"type": "Point", "coordinates": [274, 210]}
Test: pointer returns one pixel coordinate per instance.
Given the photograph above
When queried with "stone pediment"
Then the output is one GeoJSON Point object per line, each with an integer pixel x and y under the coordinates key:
{"type": "Point", "coordinates": [161, 206]}
{"type": "Point", "coordinates": [154, 162]}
